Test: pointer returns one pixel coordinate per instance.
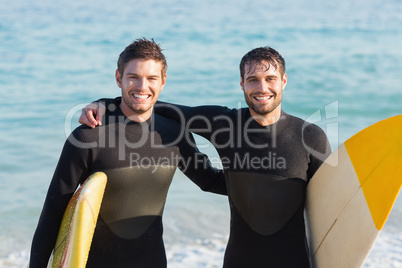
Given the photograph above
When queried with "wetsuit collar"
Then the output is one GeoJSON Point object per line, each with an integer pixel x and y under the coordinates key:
{"type": "Point", "coordinates": [277, 127]}
{"type": "Point", "coordinates": [120, 115]}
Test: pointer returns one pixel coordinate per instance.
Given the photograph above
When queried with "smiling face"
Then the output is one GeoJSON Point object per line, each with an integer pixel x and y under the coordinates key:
{"type": "Point", "coordinates": [263, 85]}
{"type": "Point", "coordinates": [140, 83]}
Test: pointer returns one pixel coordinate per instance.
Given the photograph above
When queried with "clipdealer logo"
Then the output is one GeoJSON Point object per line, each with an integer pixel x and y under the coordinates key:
{"type": "Point", "coordinates": [237, 136]}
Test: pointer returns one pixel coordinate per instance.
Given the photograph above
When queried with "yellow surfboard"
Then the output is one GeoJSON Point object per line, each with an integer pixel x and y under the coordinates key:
{"type": "Point", "coordinates": [78, 224]}
{"type": "Point", "coordinates": [352, 193]}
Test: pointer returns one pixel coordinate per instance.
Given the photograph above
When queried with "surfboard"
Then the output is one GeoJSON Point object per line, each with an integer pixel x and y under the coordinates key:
{"type": "Point", "coordinates": [352, 193]}
{"type": "Point", "coordinates": [78, 224]}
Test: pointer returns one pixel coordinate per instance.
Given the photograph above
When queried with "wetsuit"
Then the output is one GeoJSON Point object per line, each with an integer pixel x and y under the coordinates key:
{"type": "Point", "coordinates": [267, 169]}
{"type": "Point", "coordinates": [139, 160]}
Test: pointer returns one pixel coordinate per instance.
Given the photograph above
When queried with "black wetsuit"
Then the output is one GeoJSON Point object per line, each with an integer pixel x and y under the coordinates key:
{"type": "Point", "coordinates": [267, 170]}
{"type": "Point", "coordinates": [139, 160]}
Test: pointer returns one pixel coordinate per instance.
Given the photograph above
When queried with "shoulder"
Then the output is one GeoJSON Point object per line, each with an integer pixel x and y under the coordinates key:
{"type": "Point", "coordinates": [311, 134]}
{"type": "Point", "coordinates": [170, 131]}
{"type": "Point", "coordinates": [85, 137]}
{"type": "Point", "coordinates": [304, 127]}
{"type": "Point", "coordinates": [166, 126]}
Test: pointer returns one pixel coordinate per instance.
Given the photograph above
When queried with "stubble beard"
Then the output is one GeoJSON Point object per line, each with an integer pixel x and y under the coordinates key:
{"type": "Point", "coordinates": [264, 110]}
{"type": "Point", "coordinates": [132, 106]}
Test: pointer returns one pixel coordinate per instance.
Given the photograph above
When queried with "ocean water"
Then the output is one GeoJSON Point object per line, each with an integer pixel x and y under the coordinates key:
{"type": "Point", "coordinates": [344, 66]}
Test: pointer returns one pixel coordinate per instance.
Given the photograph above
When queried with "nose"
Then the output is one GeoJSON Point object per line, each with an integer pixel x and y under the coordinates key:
{"type": "Point", "coordinates": [263, 86]}
{"type": "Point", "coordinates": [142, 83]}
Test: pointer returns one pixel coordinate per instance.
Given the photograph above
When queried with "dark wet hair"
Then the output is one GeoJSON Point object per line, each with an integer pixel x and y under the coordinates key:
{"type": "Point", "coordinates": [258, 55]}
{"type": "Point", "coordinates": [142, 49]}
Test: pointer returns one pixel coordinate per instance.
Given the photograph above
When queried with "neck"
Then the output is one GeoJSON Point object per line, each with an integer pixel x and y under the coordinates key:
{"type": "Point", "coordinates": [267, 119]}
{"type": "Point", "coordinates": [134, 116]}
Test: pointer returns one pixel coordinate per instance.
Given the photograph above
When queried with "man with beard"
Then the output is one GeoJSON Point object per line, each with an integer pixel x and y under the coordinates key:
{"type": "Point", "coordinates": [268, 157]}
{"type": "Point", "coordinates": [139, 151]}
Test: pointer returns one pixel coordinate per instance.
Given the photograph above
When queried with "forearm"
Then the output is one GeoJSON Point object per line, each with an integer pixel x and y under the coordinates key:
{"type": "Point", "coordinates": [198, 168]}
{"type": "Point", "coordinates": [69, 173]}
{"type": "Point", "coordinates": [204, 175]}
{"type": "Point", "coordinates": [46, 233]}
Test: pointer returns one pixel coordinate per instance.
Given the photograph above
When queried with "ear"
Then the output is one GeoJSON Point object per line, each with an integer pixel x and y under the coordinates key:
{"type": "Point", "coordinates": [163, 81]}
{"type": "Point", "coordinates": [118, 78]}
{"type": "Point", "coordinates": [241, 83]}
{"type": "Point", "coordinates": [284, 81]}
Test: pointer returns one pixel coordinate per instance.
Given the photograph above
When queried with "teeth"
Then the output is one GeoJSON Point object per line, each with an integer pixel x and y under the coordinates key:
{"type": "Point", "coordinates": [263, 98]}
{"type": "Point", "coordinates": [138, 96]}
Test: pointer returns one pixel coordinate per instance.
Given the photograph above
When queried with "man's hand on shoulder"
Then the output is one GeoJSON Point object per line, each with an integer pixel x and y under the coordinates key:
{"type": "Point", "coordinates": [91, 115]}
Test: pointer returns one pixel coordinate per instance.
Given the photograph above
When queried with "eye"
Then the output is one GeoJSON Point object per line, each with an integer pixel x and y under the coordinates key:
{"type": "Point", "coordinates": [152, 78]}
{"type": "Point", "coordinates": [252, 80]}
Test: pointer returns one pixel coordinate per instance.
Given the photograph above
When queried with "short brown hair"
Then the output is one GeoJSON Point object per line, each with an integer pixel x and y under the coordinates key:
{"type": "Point", "coordinates": [258, 55]}
{"type": "Point", "coordinates": [142, 49]}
